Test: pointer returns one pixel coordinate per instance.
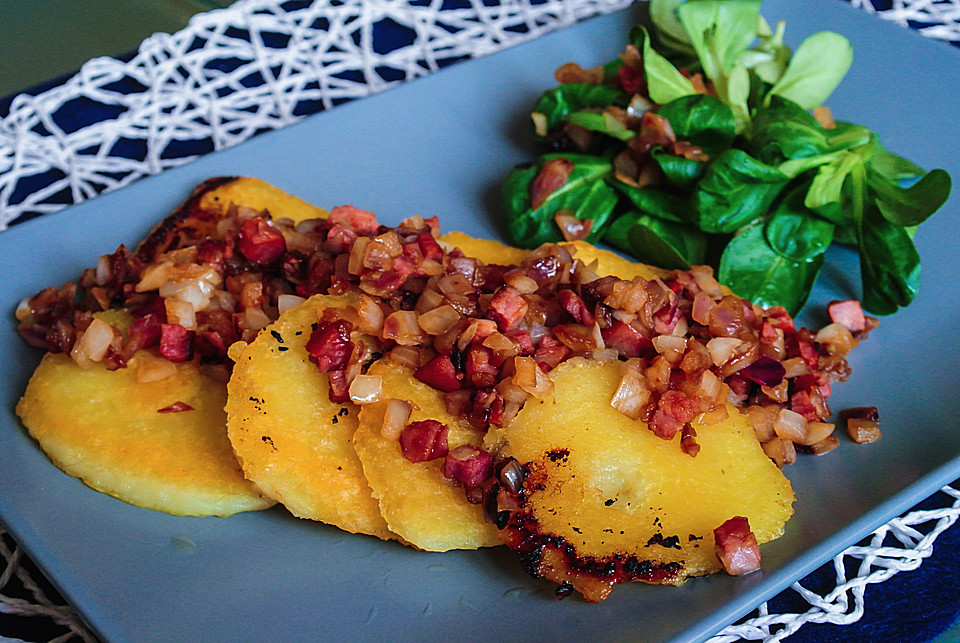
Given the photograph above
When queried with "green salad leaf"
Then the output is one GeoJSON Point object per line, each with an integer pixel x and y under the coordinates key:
{"type": "Point", "coordinates": [725, 155]}
{"type": "Point", "coordinates": [586, 196]}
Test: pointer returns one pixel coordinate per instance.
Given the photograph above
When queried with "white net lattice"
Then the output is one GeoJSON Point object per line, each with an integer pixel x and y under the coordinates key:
{"type": "Point", "coordinates": [264, 64]}
{"type": "Point", "coordinates": [256, 66]}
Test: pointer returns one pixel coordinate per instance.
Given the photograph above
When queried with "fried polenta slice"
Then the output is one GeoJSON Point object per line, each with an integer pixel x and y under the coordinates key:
{"type": "Point", "coordinates": [606, 501]}
{"type": "Point", "coordinates": [608, 262]}
{"type": "Point", "coordinates": [106, 428]}
{"type": "Point", "coordinates": [486, 250]}
{"type": "Point", "coordinates": [196, 218]}
{"type": "Point", "coordinates": [291, 440]}
{"type": "Point", "coordinates": [418, 504]}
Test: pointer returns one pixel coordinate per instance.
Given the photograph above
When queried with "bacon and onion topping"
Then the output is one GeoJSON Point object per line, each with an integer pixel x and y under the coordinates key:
{"type": "Point", "coordinates": [484, 335]}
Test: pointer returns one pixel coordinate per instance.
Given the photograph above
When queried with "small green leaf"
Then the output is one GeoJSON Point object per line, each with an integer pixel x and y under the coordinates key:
{"type": "Point", "coordinates": [679, 171]}
{"type": "Point", "coordinates": [735, 190]}
{"type": "Point", "coordinates": [913, 205]}
{"type": "Point", "coordinates": [816, 68]}
{"type": "Point", "coordinates": [783, 130]}
{"type": "Point", "coordinates": [559, 102]}
{"type": "Point", "coordinates": [704, 120]}
{"type": "Point", "coordinates": [753, 270]}
{"type": "Point", "coordinates": [795, 232]}
{"type": "Point", "coordinates": [599, 123]}
{"type": "Point", "coordinates": [665, 83]}
{"type": "Point", "coordinates": [770, 58]}
{"type": "Point", "coordinates": [893, 167]}
{"type": "Point", "coordinates": [586, 195]}
{"type": "Point", "coordinates": [720, 32]}
{"type": "Point", "coordinates": [666, 244]}
{"type": "Point", "coordinates": [738, 92]}
{"type": "Point", "coordinates": [889, 264]}
{"type": "Point", "coordinates": [827, 184]}
{"type": "Point", "coordinates": [659, 202]}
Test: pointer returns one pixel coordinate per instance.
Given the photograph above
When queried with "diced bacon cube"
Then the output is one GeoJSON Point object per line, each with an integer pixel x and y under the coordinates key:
{"type": "Point", "coordinates": [440, 374]}
{"type": "Point", "coordinates": [628, 341]}
{"type": "Point", "coordinates": [737, 547]}
{"type": "Point", "coordinates": [674, 409]}
{"type": "Point", "coordinates": [780, 318]}
{"type": "Point", "coordinates": [339, 388]}
{"type": "Point", "coordinates": [144, 332]}
{"type": "Point", "coordinates": [550, 353]}
{"type": "Point", "coordinates": [523, 339]}
{"type": "Point", "coordinates": [849, 313]}
{"type": "Point", "coordinates": [429, 247]}
{"type": "Point", "coordinates": [631, 79]}
{"type": "Point", "coordinates": [507, 308]}
{"type": "Point", "coordinates": [210, 344]}
{"type": "Point", "coordinates": [487, 408]}
{"type": "Point", "coordinates": [552, 176]}
{"type": "Point", "coordinates": [479, 367]}
{"type": "Point", "coordinates": [176, 342]}
{"type": "Point", "coordinates": [329, 345]}
{"type": "Point", "coordinates": [468, 465]}
{"type": "Point", "coordinates": [423, 441]}
{"type": "Point", "coordinates": [260, 242]}
{"type": "Point", "coordinates": [360, 221]}
{"type": "Point", "coordinates": [573, 304]}
{"type": "Point", "coordinates": [339, 239]}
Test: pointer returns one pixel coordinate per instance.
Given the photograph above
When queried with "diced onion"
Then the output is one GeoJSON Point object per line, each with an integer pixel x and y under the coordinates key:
{"type": "Point", "coordinates": [357, 253]}
{"type": "Point", "coordinates": [94, 342]}
{"type": "Point", "coordinates": [722, 349]}
{"type": "Point", "coordinates": [255, 319]}
{"type": "Point", "coordinates": [286, 302]}
{"type": "Point", "coordinates": [795, 366]}
{"type": "Point", "coordinates": [836, 339]}
{"type": "Point", "coordinates": [703, 275]}
{"type": "Point", "coordinates": [153, 368]}
{"type": "Point", "coordinates": [781, 451]}
{"type": "Point", "coordinates": [395, 416]}
{"type": "Point", "coordinates": [180, 312]}
{"type": "Point", "coordinates": [817, 431]}
{"type": "Point", "coordinates": [366, 389]}
{"type": "Point", "coordinates": [520, 282]}
{"type": "Point", "coordinates": [790, 425]}
{"type": "Point", "coordinates": [439, 319]}
{"type": "Point", "coordinates": [23, 310]}
{"type": "Point", "coordinates": [670, 347]}
{"type": "Point", "coordinates": [403, 328]}
{"type": "Point", "coordinates": [762, 419]}
{"type": "Point", "coordinates": [103, 272]}
{"type": "Point", "coordinates": [531, 378]}
{"type": "Point", "coordinates": [631, 396]}
{"type": "Point", "coordinates": [409, 356]}
{"type": "Point", "coordinates": [540, 125]}
{"type": "Point", "coordinates": [154, 276]}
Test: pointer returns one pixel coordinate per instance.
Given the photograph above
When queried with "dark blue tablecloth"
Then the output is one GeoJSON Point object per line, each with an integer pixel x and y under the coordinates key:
{"type": "Point", "coordinates": [917, 605]}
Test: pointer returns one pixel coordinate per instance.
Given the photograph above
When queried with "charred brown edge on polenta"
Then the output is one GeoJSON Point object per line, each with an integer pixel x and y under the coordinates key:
{"type": "Point", "coordinates": [188, 216]}
{"type": "Point", "coordinates": [521, 532]}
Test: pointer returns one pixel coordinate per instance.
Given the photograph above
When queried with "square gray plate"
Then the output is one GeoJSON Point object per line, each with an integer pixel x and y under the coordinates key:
{"type": "Point", "coordinates": [441, 145]}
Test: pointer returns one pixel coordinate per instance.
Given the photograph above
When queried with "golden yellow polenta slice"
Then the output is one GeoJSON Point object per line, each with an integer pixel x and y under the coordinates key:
{"type": "Point", "coordinates": [291, 440]}
{"type": "Point", "coordinates": [259, 195]}
{"type": "Point", "coordinates": [197, 217]}
{"type": "Point", "coordinates": [603, 490]}
{"type": "Point", "coordinates": [486, 250]}
{"type": "Point", "coordinates": [420, 506]}
{"type": "Point", "coordinates": [105, 428]}
{"type": "Point", "coordinates": [608, 262]}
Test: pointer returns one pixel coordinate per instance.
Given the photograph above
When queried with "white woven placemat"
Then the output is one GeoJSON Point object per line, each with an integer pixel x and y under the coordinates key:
{"type": "Point", "coordinates": [263, 64]}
